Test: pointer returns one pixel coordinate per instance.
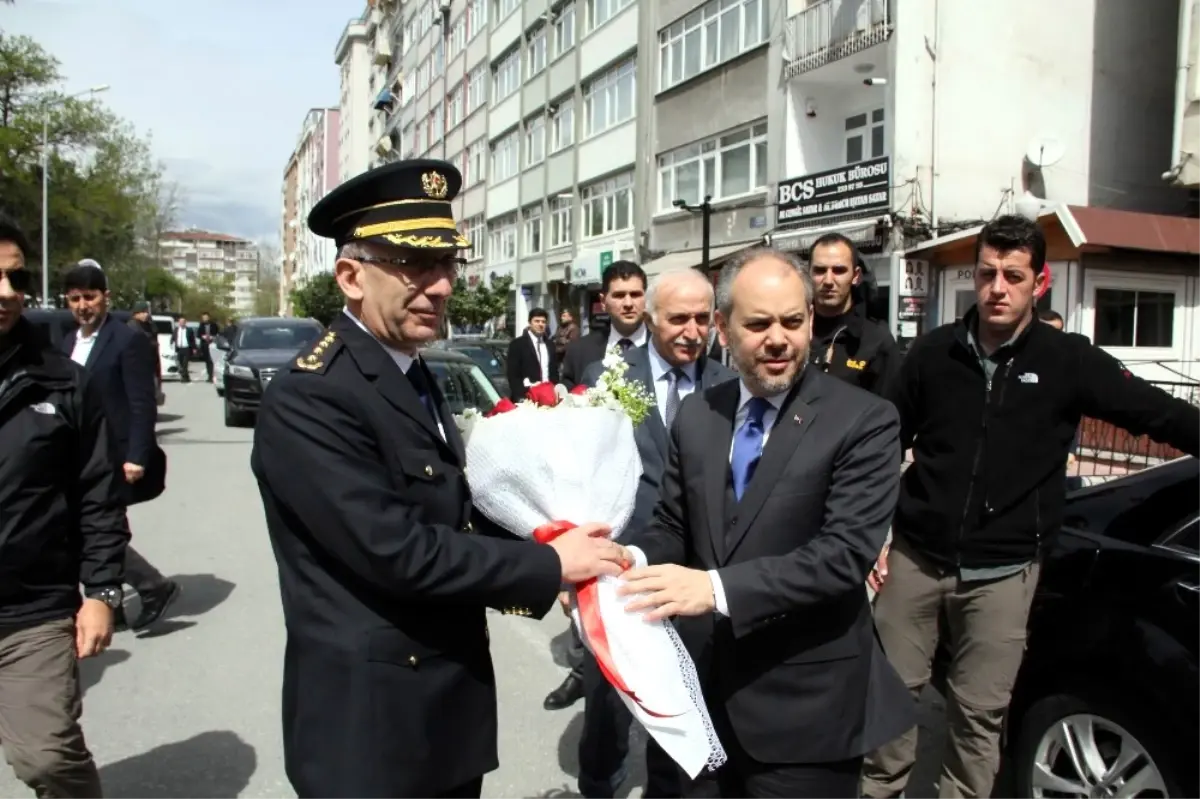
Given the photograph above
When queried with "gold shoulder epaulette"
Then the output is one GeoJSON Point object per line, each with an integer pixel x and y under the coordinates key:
{"type": "Point", "coordinates": [320, 356]}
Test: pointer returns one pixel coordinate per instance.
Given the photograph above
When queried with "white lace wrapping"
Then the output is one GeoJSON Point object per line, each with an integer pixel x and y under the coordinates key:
{"type": "Point", "coordinates": [533, 466]}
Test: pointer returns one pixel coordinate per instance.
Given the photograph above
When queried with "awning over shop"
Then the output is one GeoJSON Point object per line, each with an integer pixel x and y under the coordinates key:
{"type": "Point", "coordinates": [860, 231]}
{"type": "Point", "coordinates": [684, 259]}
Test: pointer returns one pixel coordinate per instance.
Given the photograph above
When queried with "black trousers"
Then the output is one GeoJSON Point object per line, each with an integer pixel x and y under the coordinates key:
{"type": "Point", "coordinates": [576, 654]}
{"type": "Point", "coordinates": [183, 356]}
{"type": "Point", "coordinates": [604, 743]}
{"type": "Point", "coordinates": [742, 775]}
{"type": "Point", "coordinates": [472, 789]}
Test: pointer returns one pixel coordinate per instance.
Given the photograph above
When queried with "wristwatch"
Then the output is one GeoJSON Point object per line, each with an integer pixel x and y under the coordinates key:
{"type": "Point", "coordinates": [110, 595]}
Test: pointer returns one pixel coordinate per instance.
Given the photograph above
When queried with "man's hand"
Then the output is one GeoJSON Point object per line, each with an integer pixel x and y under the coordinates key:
{"type": "Point", "coordinates": [669, 590]}
{"type": "Point", "coordinates": [878, 575]}
{"type": "Point", "coordinates": [585, 552]}
{"type": "Point", "coordinates": [93, 628]}
{"type": "Point", "coordinates": [133, 472]}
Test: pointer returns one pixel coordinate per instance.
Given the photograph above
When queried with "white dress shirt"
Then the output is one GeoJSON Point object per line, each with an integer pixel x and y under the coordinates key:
{"type": "Point", "coordinates": [402, 359]}
{"type": "Point", "coordinates": [658, 375]}
{"type": "Point", "coordinates": [543, 354]}
{"type": "Point", "coordinates": [638, 337]}
{"type": "Point", "coordinates": [769, 417]}
{"type": "Point", "coordinates": [83, 344]}
{"type": "Point", "coordinates": [181, 341]}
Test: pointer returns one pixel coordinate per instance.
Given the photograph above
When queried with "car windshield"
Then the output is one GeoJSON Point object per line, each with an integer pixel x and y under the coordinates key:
{"type": "Point", "coordinates": [276, 337]}
{"type": "Point", "coordinates": [485, 359]}
{"type": "Point", "coordinates": [464, 385]}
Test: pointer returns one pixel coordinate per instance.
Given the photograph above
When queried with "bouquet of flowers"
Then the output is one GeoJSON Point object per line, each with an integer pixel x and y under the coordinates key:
{"type": "Point", "coordinates": [539, 466]}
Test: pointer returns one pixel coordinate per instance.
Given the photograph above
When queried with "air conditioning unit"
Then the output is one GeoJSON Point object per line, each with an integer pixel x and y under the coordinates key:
{"type": "Point", "coordinates": [384, 145]}
{"type": "Point", "coordinates": [383, 51]}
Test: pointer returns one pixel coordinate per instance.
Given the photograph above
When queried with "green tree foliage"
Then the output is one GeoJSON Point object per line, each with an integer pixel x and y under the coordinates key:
{"type": "Point", "coordinates": [105, 192]}
{"type": "Point", "coordinates": [266, 300]}
{"type": "Point", "coordinates": [320, 299]}
{"type": "Point", "coordinates": [211, 294]}
{"type": "Point", "coordinates": [470, 307]}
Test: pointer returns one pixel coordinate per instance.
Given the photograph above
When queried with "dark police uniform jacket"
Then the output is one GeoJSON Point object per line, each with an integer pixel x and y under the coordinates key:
{"type": "Point", "coordinates": [388, 688]}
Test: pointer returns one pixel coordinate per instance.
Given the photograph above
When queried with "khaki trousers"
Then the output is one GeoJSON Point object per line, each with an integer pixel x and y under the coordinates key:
{"type": "Point", "coordinates": [984, 623]}
{"type": "Point", "coordinates": [40, 705]}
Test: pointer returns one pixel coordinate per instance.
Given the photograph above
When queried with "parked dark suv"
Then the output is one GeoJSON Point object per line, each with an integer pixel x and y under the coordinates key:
{"type": "Point", "coordinates": [260, 347]}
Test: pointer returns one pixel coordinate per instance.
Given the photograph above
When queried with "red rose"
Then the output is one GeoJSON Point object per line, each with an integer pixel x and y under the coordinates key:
{"type": "Point", "coordinates": [503, 406]}
{"type": "Point", "coordinates": [579, 390]}
{"type": "Point", "coordinates": [542, 394]}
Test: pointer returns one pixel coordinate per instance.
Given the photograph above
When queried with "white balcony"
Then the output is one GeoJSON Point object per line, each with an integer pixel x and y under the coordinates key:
{"type": "Point", "coordinates": [830, 30]}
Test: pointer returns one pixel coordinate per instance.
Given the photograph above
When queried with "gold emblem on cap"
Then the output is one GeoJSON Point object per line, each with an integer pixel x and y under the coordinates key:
{"type": "Point", "coordinates": [435, 185]}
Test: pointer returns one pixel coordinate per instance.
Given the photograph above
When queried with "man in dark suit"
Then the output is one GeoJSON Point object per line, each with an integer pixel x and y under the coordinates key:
{"type": "Point", "coordinates": [623, 287]}
{"type": "Point", "coordinates": [385, 572]}
{"type": "Point", "coordinates": [185, 347]}
{"type": "Point", "coordinates": [623, 291]}
{"type": "Point", "coordinates": [121, 365]}
{"type": "Point", "coordinates": [530, 358]}
{"type": "Point", "coordinates": [206, 332]}
{"type": "Point", "coordinates": [672, 366]}
{"type": "Point", "coordinates": [776, 498]}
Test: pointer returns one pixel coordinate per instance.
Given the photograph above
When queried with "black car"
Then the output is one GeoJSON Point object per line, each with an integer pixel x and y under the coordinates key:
{"type": "Point", "coordinates": [488, 354]}
{"type": "Point", "coordinates": [462, 381]}
{"type": "Point", "coordinates": [259, 348]}
{"type": "Point", "coordinates": [1106, 703]}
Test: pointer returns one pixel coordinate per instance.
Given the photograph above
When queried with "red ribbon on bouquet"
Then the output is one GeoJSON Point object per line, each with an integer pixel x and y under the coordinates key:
{"type": "Point", "coordinates": [588, 596]}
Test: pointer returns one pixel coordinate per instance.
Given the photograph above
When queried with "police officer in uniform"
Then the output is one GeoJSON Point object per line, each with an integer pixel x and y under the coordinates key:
{"type": "Point", "coordinates": [845, 342]}
{"type": "Point", "coordinates": [385, 574]}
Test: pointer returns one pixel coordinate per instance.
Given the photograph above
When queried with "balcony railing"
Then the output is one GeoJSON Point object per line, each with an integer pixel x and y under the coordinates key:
{"type": "Point", "coordinates": [833, 29]}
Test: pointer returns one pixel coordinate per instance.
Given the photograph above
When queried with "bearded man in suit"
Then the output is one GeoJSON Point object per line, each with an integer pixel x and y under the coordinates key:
{"type": "Point", "coordinates": [776, 497]}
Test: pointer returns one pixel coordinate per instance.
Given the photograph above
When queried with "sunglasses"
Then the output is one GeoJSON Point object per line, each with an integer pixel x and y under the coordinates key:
{"type": "Point", "coordinates": [21, 280]}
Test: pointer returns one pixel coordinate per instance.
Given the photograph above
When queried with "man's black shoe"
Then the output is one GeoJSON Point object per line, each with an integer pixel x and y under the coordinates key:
{"type": "Point", "coordinates": [154, 604]}
{"type": "Point", "coordinates": [565, 695]}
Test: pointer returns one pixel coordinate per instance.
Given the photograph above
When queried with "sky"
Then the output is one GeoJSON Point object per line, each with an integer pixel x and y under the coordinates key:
{"type": "Point", "coordinates": [222, 87]}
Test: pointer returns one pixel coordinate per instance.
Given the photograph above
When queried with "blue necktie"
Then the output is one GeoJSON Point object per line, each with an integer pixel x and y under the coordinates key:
{"type": "Point", "coordinates": [416, 376]}
{"type": "Point", "coordinates": [748, 445]}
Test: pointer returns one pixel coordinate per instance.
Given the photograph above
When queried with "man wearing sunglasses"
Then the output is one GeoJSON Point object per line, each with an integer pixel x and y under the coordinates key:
{"type": "Point", "coordinates": [61, 525]}
{"type": "Point", "coordinates": [385, 573]}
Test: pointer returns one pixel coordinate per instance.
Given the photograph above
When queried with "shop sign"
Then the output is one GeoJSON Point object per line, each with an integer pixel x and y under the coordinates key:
{"type": "Point", "coordinates": [859, 188]}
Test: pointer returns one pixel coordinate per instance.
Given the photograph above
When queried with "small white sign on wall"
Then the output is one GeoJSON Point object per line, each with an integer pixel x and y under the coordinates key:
{"type": "Point", "coordinates": [915, 281]}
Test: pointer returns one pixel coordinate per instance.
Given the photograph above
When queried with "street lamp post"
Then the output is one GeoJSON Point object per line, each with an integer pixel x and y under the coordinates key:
{"type": "Point", "coordinates": [705, 209]}
{"type": "Point", "coordinates": [46, 186]}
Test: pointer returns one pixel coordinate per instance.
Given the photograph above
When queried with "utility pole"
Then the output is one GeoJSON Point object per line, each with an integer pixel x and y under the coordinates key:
{"type": "Point", "coordinates": [705, 209]}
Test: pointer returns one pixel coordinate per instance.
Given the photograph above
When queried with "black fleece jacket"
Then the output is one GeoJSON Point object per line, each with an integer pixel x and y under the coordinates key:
{"type": "Point", "coordinates": [986, 487]}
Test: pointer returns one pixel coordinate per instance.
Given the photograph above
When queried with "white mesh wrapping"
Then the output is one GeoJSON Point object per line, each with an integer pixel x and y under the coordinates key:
{"type": "Point", "coordinates": [531, 466]}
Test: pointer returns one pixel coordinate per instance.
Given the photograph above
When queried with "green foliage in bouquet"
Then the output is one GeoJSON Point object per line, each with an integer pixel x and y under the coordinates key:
{"type": "Point", "coordinates": [630, 396]}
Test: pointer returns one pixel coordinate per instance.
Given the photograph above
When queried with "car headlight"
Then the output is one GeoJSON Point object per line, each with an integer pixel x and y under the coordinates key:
{"type": "Point", "coordinates": [241, 371]}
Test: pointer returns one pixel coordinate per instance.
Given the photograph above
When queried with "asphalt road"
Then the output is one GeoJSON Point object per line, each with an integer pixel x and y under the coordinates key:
{"type": "Point", "coordinates": [191, 708]}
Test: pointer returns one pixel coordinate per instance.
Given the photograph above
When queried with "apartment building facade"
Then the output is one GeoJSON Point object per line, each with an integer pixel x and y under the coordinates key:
{"type": "Point", "coordinates": [1184, 164]}
{"type": "Point", "coordinates": [317, 167]}
{"type": "Point", "coordinates": [353, 56]}
{"type": "Point", "coordinates": [203, 258]}
{"type": "Point", "coordinates": [289, 233]}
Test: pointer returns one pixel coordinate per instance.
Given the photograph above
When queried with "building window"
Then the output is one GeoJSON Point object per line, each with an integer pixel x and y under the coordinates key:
{"type": "Point", "coordinates": [536, 53]}
{"type": "Point", "coordinates": [608, 206]}
{"type": "Point", "coordinates": [506, 76]}
{"type": "Point", "coordinates": [438, 58]}
{"type": "Point", "coordinates": [1134, 318]}
{"type": "Point", "coordinates": [505, 7]}
{"type": "Point", "coordinates": [504, 157]}
{"type": "Point", "coordinates": [609, 99]}
{"type": "Point", "coordinates": [476, 18]}
{"type": "Point", "coordinates": [408, 144]}
{"type": "Point", "coordinates": [533, 230]}
{"type": "Point", "coordinates": [476, 88]}
{"type": "Point", "coordinates": [564, 30]}
{"type": "Point", "coordinates": [562, 126]}
{"type": "Point", "coordinates": [502, 238]}
{"type": "Point", "coordinates": [535, 139]}
{"type": "Point", "coordinates": [601, 11]}
{"type": "Point", "coordinates": [717, 32]}
{"type": "Point", "coordinates": [474, 172]}
{"type": "Point", "coordinates": [724, 166]}
{"type": "Point", "coordinates": [458, 38]}
{"type": "Point", "coordinates": [437, 119]}
{"type": "Point", "coordinates": [864, 136]}
{"type": "Point", "coordinates": [560, 221]}
{"type": "Point", "coordinates": [455, 107]}
{"type": "Point", "coordinates": [475, 229]}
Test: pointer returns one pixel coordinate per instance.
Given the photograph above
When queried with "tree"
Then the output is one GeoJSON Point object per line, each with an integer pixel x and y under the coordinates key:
{"type": "Point", "coordinates": [211, 294]}
{"type": "Point", "coordinates": [320, 299]}
{"type": "Point", "coordinates": [473, 307]}
{"type": "Point", "coordinates": [100, 172]}
{"type": "Point", "coordinates": [161, 289]}
{"type": "Point", "coordinates": [266, 301]}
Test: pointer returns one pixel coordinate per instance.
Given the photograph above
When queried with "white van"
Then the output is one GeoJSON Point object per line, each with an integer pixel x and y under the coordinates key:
{"type": "Point", "coordinates": [163, 328]}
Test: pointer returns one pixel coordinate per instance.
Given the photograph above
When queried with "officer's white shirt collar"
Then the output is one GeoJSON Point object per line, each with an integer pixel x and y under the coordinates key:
{"type": "Point", "coordinates": [638, 337]}
{"type": "Point", "coordinates": [402, 359]}
{"type": "Point", "coordinates": [659, 367]}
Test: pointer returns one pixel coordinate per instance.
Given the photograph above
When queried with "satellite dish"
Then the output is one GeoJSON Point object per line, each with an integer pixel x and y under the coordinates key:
{"type": "Point", "coordinates": [1045, 151]}
{"type": "Point", "coordinates": [1029, 206]}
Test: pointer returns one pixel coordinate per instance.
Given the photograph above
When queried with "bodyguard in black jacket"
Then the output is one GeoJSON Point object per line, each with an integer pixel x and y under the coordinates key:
{"type": "Point", "coordinates": [845, 343]}
{"type": "Point", "coordinates": [60, 525]}
{"type": "Point", "coordinates": [989, 406]}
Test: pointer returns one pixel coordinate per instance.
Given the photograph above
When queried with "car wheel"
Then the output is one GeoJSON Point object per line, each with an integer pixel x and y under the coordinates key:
{"type": "Point", "coordinates": [1069, 747]}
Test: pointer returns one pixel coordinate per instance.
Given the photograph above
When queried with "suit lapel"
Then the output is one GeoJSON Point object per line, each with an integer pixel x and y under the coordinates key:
{"type": "Point", "coordinates": [638, 359]}
{"type": "Point", "coordinates": [723, 410]}
{"type": "Point", "coordinates": [793, 422]}
{"type": "Point", "coordinates": [67, 345]}
{"type": "Point", "coordinates": [453, 437]}
{"type": "Point", "coordinates": [103, 338]}
{"type": "Point", "coordinates": [377, 365]}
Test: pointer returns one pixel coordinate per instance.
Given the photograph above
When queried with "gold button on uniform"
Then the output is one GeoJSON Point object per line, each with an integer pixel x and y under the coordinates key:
{"type": "Point", "coordinates": [429, 471]}
{"type": "Point", "coordinates": [412, 660]}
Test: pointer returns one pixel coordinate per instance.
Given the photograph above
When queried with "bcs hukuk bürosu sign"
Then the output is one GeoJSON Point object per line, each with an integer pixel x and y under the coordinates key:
{"type": "Point", "coordinates": [865, 186]}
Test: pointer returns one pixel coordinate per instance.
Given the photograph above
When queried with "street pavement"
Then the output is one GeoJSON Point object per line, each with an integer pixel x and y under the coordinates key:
{"type": "Point", "coordinates": [191, 708]}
